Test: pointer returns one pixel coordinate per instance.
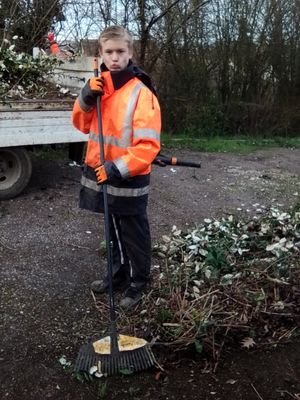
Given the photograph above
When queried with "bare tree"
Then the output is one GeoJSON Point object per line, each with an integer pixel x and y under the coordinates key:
{"type": "Point", "coordinates": [29, 19]}
{"type": "Point", "coordinates": [220, 65]}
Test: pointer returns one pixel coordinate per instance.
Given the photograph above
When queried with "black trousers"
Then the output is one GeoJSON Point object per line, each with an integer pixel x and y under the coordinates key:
{"type": "Point", "coordinates": [131, 249]}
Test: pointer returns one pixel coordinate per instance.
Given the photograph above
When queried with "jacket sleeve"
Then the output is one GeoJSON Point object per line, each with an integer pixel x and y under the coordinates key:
{"type": "Point", "coordinates": [81, 119]}
{"type": "Point", "coordinates": [146, 136]}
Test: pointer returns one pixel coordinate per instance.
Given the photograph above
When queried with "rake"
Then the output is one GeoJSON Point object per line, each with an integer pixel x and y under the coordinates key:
{"type": "Point", "coordinates": [114, 353]}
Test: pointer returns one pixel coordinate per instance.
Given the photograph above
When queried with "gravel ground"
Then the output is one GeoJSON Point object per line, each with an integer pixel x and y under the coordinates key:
{"type": "Point", "coordinates": [50, 252]}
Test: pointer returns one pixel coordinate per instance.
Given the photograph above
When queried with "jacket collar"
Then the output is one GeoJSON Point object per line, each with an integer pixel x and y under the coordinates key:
{"type": "Point", "coordinates": [119, 78]}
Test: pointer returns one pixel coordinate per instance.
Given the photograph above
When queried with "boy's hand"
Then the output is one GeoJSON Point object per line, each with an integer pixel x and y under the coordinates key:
{"type": "Point", "coordinates": [101, 174]}
{"type": "Point", "coordinates": [107, 172]}
{"type": "Point", "coordinates": [92, 90]}
{"type": "Point", "coordinates": [96, 85]}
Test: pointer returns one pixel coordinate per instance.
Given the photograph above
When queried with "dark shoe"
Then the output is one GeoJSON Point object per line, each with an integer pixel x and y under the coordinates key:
{"type": "Point", "coordinates": [131, 298]}
{"type": "Point", "coordinates": [101, 286]}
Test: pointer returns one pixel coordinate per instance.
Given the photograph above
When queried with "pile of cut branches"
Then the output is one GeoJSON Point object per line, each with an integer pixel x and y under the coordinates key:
{"type": "Point", "coordinates": [222, 281]}
{"type": "Point", "coordinates": [23, 76]}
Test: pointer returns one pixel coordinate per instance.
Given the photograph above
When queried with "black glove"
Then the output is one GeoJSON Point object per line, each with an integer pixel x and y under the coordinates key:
{"type": "Point", "coordinates": [92, 89]}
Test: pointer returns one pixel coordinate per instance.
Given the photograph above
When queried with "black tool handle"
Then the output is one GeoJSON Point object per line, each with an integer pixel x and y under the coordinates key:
{"type": "Point", "coordinates": [114, 348]}
{"type": "Point", "coordinates": [165, 160]}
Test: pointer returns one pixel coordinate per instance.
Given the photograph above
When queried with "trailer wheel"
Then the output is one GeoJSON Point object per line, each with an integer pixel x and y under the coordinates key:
{"type": "Point", "coordinates": [15, 171]}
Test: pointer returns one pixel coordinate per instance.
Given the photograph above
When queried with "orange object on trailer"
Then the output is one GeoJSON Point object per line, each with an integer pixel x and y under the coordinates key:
{"type": "Point", "coordinates": [54, 47]}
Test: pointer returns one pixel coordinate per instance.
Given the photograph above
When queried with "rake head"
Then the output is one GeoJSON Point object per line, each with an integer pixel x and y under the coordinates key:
{"type": "Point", "coordinates": [94, 363]}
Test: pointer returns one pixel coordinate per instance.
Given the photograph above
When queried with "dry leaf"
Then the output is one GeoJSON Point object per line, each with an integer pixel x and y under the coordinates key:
{"type": "Point", "coordinates": [158, 376]}
{"type": "Point", "coordinates": [247, 343]}
{"type": "Point", "coordinates": [231, 381]}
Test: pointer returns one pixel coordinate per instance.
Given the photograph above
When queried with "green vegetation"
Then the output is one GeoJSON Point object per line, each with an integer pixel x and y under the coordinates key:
{"type": "Point", "coordinates": [224, 280]}
{"type": "Point", "coordinates": [227, 144]}
{"type": "Point", "coordinates": [46, 152]}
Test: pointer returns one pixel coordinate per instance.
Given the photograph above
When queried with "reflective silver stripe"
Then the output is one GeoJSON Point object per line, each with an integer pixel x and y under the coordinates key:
{"type": "Point", "coordinates": [108, 140]}
{"type": "Point", "coordinates": [94, 137]}
{"type": "Point", "coordinates": [90, 184]}
{"type": "Point", "coordinates": [83, 105]}
{"type": "Point", "coordinates": [127, 192]}
{"type": "Point", "coordinates": [127, 124]}
{"type": "Point", "coordinates": [114, 191]}
{"type": "Point", "coordinates": [137, 133]}
{"type": "Point", "coordinates": [113, 141]}
{"type": "Point", "coordinates": [146, 133]}
{"type": "Point", "coordinates": [122, 167]}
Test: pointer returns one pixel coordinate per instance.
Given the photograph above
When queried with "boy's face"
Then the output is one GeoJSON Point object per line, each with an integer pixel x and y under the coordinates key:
{"type": "Point", "coordinates": [115, 54]}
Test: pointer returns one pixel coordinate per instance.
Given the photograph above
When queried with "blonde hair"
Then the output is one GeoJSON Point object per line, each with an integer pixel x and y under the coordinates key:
{"type": "Point", "coordinates": [116, 32]}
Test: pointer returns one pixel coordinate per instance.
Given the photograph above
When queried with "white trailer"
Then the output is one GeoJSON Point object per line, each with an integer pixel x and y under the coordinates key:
{"type": "Point", "coordinates": [28, 123]}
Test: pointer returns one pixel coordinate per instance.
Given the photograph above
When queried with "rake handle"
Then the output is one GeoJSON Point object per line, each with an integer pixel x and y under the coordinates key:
{"type": "Point", "coordinates": [114, 348]}
{"type": "Point", "coordinates": [162, 161]}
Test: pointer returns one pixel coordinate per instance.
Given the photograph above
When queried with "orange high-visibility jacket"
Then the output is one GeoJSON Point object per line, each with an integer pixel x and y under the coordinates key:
{"type": "Point", "coordinates": [131, 123]}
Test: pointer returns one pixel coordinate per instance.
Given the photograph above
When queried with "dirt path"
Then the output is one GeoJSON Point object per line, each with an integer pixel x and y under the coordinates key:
{"type": "Point", "coordinates": [49, 254]}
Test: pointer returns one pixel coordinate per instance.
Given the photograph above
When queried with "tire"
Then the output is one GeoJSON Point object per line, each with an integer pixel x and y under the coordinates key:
{"type": "Point", "coordinates": [15, 171]}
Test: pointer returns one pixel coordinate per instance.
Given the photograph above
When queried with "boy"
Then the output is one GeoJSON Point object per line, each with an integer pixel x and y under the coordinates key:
{"type": "Point", "coordinates": [131, 129]}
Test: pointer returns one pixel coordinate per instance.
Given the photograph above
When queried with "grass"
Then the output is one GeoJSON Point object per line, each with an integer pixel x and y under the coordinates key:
{"type": "Point", "coordinates": [214, 144]}
{"type": "Point", "coordinates": [48, 152]}
{"type": "Point", "coordinates": [227, 144]}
